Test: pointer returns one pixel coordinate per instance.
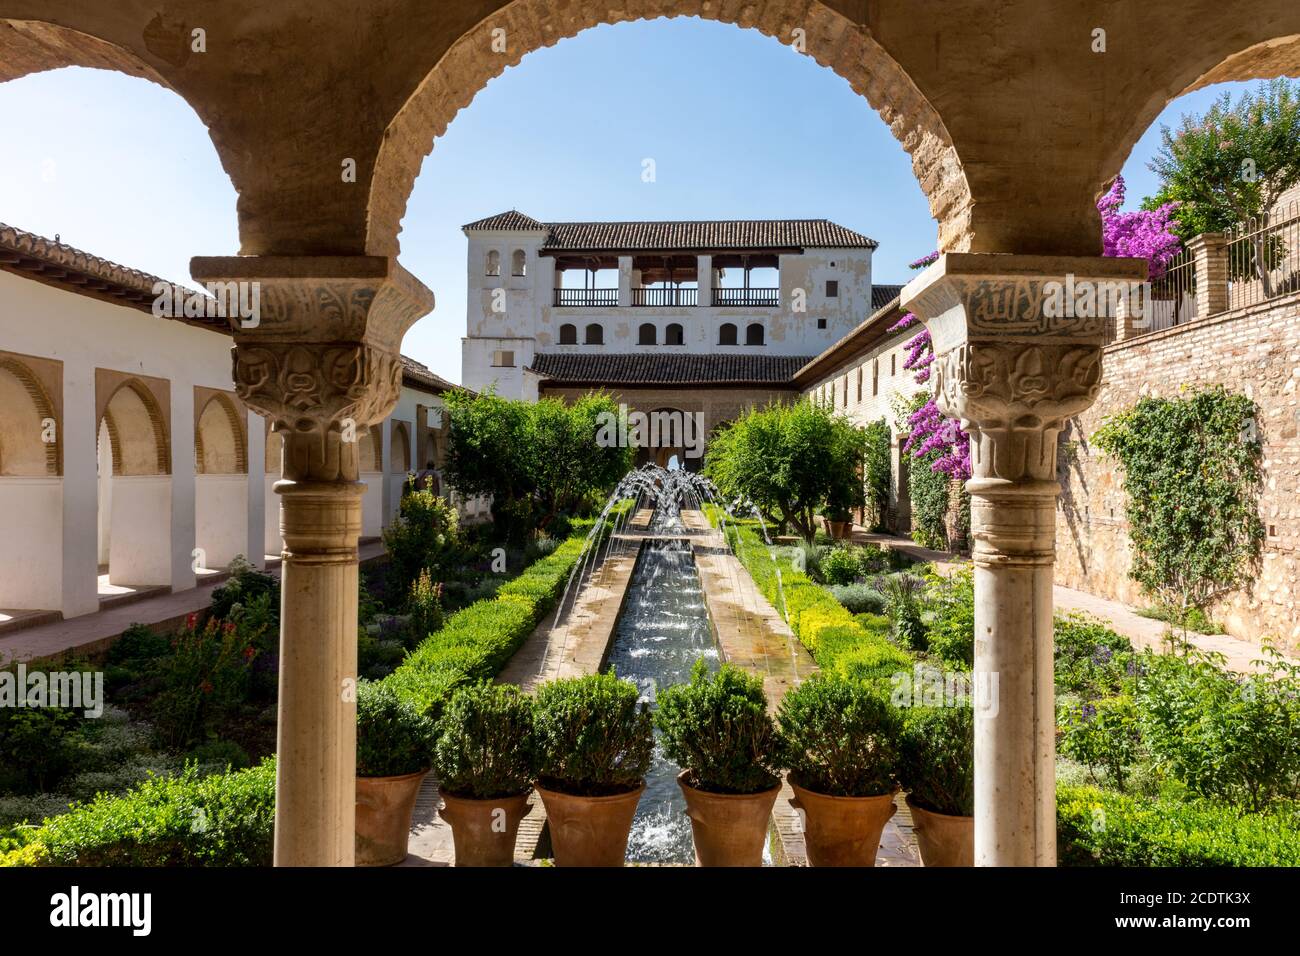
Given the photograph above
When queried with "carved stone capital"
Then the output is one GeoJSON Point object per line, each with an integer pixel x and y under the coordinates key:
{"type": "Point", "coordinates": [1017, 343]}
{"type": "Point", "coordinates": [320, 357]}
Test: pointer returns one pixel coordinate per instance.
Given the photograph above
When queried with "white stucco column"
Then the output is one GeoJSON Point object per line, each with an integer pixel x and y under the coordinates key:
{"type": "Point", "coordinates": [386, 451]}
{"type": "Point", "coordinates": [326, 365]}
{"type": "Point", "coordinates": [80, 491]}
{"type": "Point", "coordinates": [624, 281]}
{"type": "Point", "coordinates": [183, 495]}
{"type": "Point", "coordinates": [256, 548]}
{"type": "Point", "coordinates": [704, 278]}
{"type": "Point", "coordinates": [1013, 369]}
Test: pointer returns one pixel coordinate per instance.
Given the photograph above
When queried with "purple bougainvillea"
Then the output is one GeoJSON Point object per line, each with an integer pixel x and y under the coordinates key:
{"type": "Point", "coordinates": [1144, 234]}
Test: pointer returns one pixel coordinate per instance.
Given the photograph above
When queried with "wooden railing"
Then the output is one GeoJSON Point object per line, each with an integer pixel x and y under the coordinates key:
{"type": "Point", "coordinates": [667, 296]}
{"type": "Point", "coordinates": [747, 297]}
{"type": "Point", "coordinates": [599, 297]}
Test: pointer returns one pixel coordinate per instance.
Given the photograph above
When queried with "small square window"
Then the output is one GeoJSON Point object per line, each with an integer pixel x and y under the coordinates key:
{"type": "Point", "coordinates": [821, 323]}
{"type": "Point", "coordinates": [503, 358]}
{"type": "Point", "coordinates": [832, 288]}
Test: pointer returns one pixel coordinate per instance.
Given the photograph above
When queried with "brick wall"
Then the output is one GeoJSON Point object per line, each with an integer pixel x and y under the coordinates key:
{"type": "Point", "coordinates": [1254, 351]}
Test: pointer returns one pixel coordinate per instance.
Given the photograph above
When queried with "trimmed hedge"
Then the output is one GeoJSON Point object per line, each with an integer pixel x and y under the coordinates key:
{"type": "Point", "coordinates": [476, 642]}
{"type": "Point", "coordinates": [224, 819]}
{"type": "Point", "coordinates": [1097, 827]}
{"type": "Point", "coordinates": [228, 819]}
{"type": "Point", "coordinates": [853, 645]}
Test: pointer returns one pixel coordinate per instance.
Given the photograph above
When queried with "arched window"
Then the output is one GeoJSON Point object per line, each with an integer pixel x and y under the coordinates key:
{"type": "Point", "coordinates": [493, 267]}
{"type": "Point", "coordinates": [595, 334]}
{"type": "Point", "coordinates": [727, 333]}
{"type": "Point", "coordinates": [647, 334]}
{"type": "Point", "coordinates": [673, 334]}
{"type": "Point", "coordinates": [754, 334]}
{"type": "Point", "coordinates": [568, 334]}
{"type": "Point", "coordinates": [518, 263]}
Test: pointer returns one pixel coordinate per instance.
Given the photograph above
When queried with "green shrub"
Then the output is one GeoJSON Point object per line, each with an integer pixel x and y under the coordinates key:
{"type": "Point", "coordinates": [484, 746]}
{"type": "Point", "coordinates": [204, 681]}
{"type": "Point", "coordinates": [593, 737]}
{"type": "Point", "coordinates": [840, 737]}
{"type": "Point", "coordinates": [393, 738]}
{"type": "Point", "coordinates": [858, 598]}
{"type": "Point", "coordinates": [222, 755]}
{"type": "Point", "coordinates": [424, 605]}
{"type": "Point", "coordinates": [1228, 737]}
{"type": "Point", "coordinates": [245, 585]}
{"type": "Point", "coordinates": [840, 566]}
{"type": "Point", "coordinates": [423, 536]}
{"type": "Point", "coordinates": [1091, 660]}
{"type": "Point", "coordinates": [903, 596]}
{"type": "Point", "coordinates": [1097, 827]}
{"type": "Point", "coordinates": [1102, 734]}
{"type": "Point", "coordinates": [938, 758]}
{"type": "Point", "coordinates": [873, 560]}
{"type": "Point", "coordinates": [951, 633]}
{"type": "Point", "coordinates": [184, 820]}
{"type": "Point", "coordinates": [39, 746]}
{"type": "Point", "coordinates": [718, 730]}
{"type": "Point", "coordinates": [138, 644]}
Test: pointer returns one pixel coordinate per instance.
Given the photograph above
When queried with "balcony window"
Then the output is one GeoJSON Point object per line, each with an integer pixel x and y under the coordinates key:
{"type": "Point", "coordinates": [727, 334]}
{"type": "Point", "coordinates": [673, 335]}
{"type": "Point", "coordinates": [568, 334]}
{"type": "Point", "coordinates": [647, 334]}
{"type": "Point", "coordinates": [595, 334]}
{"type": "Point", "coordinates": [754, 334]}
{"type": "Point", "coordinates": [493, 265]}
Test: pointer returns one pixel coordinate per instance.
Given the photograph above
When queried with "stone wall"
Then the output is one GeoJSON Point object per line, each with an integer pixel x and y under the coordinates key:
{"type": "Point", "coordinates": [1254, 351]}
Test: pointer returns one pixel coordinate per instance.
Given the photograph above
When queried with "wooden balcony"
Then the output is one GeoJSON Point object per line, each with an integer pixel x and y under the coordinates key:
{"type": "Point", "coordinates": [607, 298]}
{"type": "Point", "coordinates": [747, 297]}
{"type": "Point", "coordinates": [666, 297]}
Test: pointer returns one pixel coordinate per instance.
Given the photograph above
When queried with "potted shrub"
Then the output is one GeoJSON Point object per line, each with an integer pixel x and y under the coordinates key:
{"type": "Point", "coordinates": [938, 768]}
{"type": "Point", "coordinates": [394, 742]}
{"type": "Point", "coordinates": [594, 742]}
{"type": "Point", "coordinates": [718, 729]}
{"type": "Point", "coordinates": [841, 744]}
{"type": "Point", "coordinates": [483, 759]}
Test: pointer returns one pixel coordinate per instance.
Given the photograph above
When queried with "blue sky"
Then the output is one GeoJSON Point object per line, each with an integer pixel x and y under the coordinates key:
{"type": "Point", "coordinates": [738, 125]}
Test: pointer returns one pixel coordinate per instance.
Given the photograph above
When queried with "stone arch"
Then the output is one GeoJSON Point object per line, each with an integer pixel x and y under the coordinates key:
{"type": "Point", "coordinates": [137, 431]}
{"type": "Point", "coordinates": [1262, 60]}
{"type": "Point", "coordinates": [832, 39]}
{"type": "Point", "coordinates": [220, 447]}
{"type": "Point", "coordinates": [25, 409]}
{"type": "Point", "coordinates": [400, 454]}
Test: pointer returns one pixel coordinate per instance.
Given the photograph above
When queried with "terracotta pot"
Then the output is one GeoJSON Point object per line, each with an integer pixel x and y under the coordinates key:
{"type": "Point", "coordinates": [943, 839]}
{"type": "Point", "coordinates": [841, 530]}
{"type": "Point", "coordinates": [590, 831]}
{"type": "Point", "coordinates": [729, 828]}
{"type": "Point", "coordinates": [384, 807]}
{"type": "Point", "coordinates": [842, 831]}
{"type": "Point", "coordinates": [484, 831]}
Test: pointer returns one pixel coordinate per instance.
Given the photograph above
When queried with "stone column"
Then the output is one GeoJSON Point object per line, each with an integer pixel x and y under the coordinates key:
{"type": "Point", "coordinates": [321, 361]}
{"type": "Point", "coordinates": [1013, 362]}
{"type": "Point", "coordinates": [625, 282]}
{"type": "Point", "coordinates": [184, 558]}
{"type": "Point", "coordinates": [704, 280]}
{"type": "Point", "coordinates": [255, 428]}
{"type": "Point", "coordinates": [79, 437]}
{"type": "Point", "coordinates": [1210, 250]}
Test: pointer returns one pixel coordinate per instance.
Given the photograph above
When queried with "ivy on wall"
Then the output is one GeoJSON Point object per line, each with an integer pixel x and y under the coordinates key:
{"type": "Point", "coordinates": [1192, 477]}
{"type": "Point", "coordinates": [927, 486]}
{"type": "Point", "coordinates": [876, 469]}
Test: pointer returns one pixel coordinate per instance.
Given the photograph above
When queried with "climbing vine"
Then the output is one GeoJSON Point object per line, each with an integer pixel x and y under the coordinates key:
{"type": "Point", "coordinates": [927, 482]}
{"type": "Point", "coordinates": [1192, 477]}
{"type": "Point", "coordinates": [876, 470]}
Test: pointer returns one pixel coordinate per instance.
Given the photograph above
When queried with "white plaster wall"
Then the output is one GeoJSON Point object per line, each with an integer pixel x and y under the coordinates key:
{"type": "Point", "coordinates": [220, 518]}
{"type": "Point", "coordinates": [140, 552]}
{"type": "Point", "coordinates": [31, 561]}
{"type": "Point", "coordinates": [372, 504]}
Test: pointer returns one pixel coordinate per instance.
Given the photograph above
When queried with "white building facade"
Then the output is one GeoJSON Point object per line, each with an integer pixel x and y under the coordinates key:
{"type": "Point", "coordinates": [735, 288]}
{"type": "Point", "coordinates": [127, 461]}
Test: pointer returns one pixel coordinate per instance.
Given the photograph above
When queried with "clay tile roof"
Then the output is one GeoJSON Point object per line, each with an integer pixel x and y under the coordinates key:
{"type": "Point", "coordinates": [419, 375]}
{"type": "Point", "coordinates": [512, 221]}
{"type": "Point", "coordinates": [657, 368]}
{"type": "Point", "coordinates": [59, 264]}
{"type": "Point", "coordinates": [882, 295]}
{"type": "Point", "coordinates": [681, 235]}
{"type": "Point", "coordinates": [715, 234]}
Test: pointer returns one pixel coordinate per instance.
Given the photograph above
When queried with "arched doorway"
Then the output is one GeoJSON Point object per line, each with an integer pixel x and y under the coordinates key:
{"type": "Point", "coordinates": [135, 492]}
{"type": "Point", "coordinates": [220, 481]}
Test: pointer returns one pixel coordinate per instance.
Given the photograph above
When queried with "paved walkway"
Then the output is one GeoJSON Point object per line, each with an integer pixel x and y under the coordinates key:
{"type": "Point", "coordinates": [91, 633]}
{"type": "Point", "coordinates": [1144, 632]}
